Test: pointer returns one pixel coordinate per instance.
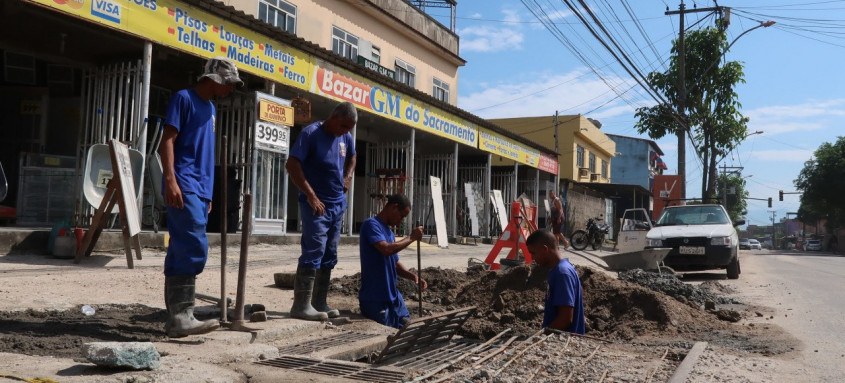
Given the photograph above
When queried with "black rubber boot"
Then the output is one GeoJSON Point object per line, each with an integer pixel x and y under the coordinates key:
{"type": "Point", "coordinates": [321, 290]}
{"type": "Point", "coordinates": [179, 296]}
{"type": "Point", "coordinates": [303, 287]}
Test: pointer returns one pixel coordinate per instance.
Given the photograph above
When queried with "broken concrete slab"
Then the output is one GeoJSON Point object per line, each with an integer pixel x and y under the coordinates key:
{"type": "Point", "coordinates": [132, 355]}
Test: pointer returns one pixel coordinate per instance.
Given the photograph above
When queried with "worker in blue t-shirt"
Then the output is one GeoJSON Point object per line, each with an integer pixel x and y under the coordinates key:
{"type": "Point", "coordinates": [564, 306]}
{"type": "Point", "coordinates": [321, 165]}
{"type": "Point", "coordinates": [187, 156]}
{"type": "Point", "coordinates": [379, 296]}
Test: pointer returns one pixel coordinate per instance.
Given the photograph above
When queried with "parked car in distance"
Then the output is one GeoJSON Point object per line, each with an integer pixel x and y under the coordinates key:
{"type": "Point", "coordinates": [744, 244]}
{"type": "Point", "coordinates": [813, 245]}
{"type": "Point", "coordinates": [754, 244]}
{"type": "Point", "coordinates": [702, 237]}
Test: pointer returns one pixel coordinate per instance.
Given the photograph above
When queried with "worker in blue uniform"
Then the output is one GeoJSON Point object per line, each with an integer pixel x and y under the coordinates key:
{"type": "Point", "coordinates": [564, 305]}
{"type": "Point", "coordinates": [187, 156]}
{"type": "Point", "coordinates": [379, 297]}
{"type": "Point", "coordinates": [321, 165]}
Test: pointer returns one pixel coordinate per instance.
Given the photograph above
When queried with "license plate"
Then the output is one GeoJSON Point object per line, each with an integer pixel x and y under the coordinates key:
{"type": "Point", "coordinates": [691, 250]}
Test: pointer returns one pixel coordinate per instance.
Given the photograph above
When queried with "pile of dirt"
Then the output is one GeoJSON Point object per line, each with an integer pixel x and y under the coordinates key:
{"type": "Point", "coordinates": [443, 286]}
{"type": "Point", "coordinates": [62, 333]}
{"type": "Point", "coordinates": [672, 286]}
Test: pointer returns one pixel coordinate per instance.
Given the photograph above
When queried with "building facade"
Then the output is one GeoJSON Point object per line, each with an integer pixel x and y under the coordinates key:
{"type": "Point", "coordinates": [637, 161]}
{"type": "Point", "coordinates": [80, 73]}
{"type": "Point", "coordinates": [585, 152]}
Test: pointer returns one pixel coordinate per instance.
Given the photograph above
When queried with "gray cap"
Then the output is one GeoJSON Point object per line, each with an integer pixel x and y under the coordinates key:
{"type": "Point", "coordinates": [222, 71]}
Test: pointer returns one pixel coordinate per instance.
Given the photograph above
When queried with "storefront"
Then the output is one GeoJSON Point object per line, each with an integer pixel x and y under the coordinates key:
{"type": "Point", "coordinates": [87, 71]}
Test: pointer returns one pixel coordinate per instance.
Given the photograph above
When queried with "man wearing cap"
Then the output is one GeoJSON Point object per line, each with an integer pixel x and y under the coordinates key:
{"type": "Point", "coordinates": [187, 156]}
{"type": "Point", "coordinates": [321, 165]}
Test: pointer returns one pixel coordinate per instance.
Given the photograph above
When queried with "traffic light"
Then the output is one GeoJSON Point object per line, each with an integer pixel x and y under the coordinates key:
{"type": "Point", "coordinates": [770, 201]}
{"type": "Point", "coordinates": [781, 195]}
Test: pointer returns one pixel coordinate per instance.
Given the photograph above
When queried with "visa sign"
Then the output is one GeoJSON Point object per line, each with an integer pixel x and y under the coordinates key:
{"type": "Point", "coordinates": [106, 10]}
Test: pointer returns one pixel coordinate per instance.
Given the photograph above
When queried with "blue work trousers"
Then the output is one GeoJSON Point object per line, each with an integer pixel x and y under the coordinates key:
{"type": "Point", "coordinates": [393, 314]}
{"type": "Point", "coordinates": [320, 235]}
{"type": "Point", "coordinates": [187, 251]}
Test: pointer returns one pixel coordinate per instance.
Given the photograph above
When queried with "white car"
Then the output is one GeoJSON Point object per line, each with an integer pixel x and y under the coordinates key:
{"type": "Point", "coordinates": [702, 237]}
{"type": "Point", "coordinates": [754, 244]}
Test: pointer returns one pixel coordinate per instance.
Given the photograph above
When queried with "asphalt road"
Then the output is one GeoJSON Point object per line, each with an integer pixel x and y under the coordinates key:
{"type": "Point", "coordinates": [806, 292]}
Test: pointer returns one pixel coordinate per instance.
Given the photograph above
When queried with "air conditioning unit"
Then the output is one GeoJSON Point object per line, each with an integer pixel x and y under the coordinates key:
{"type": "Point", "coordinates": [594, 177]}
{"type": "Point", "coordinates": [583, 172]}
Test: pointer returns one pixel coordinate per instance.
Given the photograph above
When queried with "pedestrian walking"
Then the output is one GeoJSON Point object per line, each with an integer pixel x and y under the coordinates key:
{"type": "Point", "coordinates": [558, 219]}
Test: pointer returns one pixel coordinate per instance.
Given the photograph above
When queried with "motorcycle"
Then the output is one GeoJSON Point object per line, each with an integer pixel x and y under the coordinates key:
{"type": "Point", "coordinates": [593, 235]}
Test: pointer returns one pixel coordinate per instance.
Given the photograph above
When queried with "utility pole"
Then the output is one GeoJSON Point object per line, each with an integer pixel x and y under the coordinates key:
{"type": "Point", "coordinates": [557, 159]}
{"type": "Point", "coordinates": [774, 233]}
{"type": "Point", "coordinates": [682, 92]}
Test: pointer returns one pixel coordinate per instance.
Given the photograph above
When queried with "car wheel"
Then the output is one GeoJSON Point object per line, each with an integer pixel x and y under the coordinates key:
{"type": "Point", "coordinates": [733, 268]}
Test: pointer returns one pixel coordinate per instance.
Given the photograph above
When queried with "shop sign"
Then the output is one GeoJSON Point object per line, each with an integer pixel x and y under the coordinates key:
{"type": "Point", "coordinates": [499, 145]}
{"type": "Point", "coordinates": [275, 113]}
{"type": "Point", "coordinates": [548, 164]}
{"type": "Point", "coordinates": [375, 67]}
{"type": "Point", "coordinates": [190, 29]}
{"type": "Point", "coordinates": [271, 132]}
{"type": "Point", "coordinates": [341, 85]}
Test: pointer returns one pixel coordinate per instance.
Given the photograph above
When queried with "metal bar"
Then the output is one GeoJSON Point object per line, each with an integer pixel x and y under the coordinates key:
{"type": "Point", "coordinates": [452, 362]}
{"type": "Point", "coordinates": [411, 174]}
{"type": "Point", "coordinates": [521, 352]}
{"type": "Point", "coordinates": [350, 209]}
{"type": "Point", "coordinates": [223, 233]}
{"type": "Point", "coordinates": [583, 363]}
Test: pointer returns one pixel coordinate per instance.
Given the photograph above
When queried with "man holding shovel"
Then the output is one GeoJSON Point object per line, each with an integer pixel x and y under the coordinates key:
{"type": "Point", "coordinates": [379, 297]}
{"type": "Point", "coordinates": [187, 156]}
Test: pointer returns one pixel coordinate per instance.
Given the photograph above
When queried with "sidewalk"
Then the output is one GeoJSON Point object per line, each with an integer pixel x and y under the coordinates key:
{"type": "Point", "coordinates": [41, 282]}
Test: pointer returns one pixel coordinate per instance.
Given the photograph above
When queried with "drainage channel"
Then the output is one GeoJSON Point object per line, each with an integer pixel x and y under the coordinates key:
{"type": "Point", "coordinates": [423, 346]}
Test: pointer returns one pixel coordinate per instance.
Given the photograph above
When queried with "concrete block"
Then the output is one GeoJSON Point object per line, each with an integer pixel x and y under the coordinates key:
{"type": "Point", "coordinates": [131, 355]}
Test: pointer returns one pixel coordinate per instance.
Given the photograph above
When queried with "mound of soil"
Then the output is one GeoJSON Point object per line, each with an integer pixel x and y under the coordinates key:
{"type": "Point", "coordinates": [62, 333]}
{"type": "Point", "coordinates": [672, 286]}
{"type": "Point", "coordinates": [614, 309]}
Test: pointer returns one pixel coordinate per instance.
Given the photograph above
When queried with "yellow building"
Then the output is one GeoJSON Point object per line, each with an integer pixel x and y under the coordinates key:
{"type": "Point", "coordinates": [392, 38]}
{"type": "Point", "coordinates": [585, 151]}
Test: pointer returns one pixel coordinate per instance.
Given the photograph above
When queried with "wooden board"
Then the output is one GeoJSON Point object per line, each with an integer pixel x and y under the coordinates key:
{"type": "Point", "coordinates": [439, 213]}
{"type": "Point", "coordinates": [499, 206]}
{"type": "Point", "coordinates": [122, 169]}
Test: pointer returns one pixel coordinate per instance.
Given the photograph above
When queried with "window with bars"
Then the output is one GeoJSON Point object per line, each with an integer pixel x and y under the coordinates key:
{"type": "Point", "coordinates": [406, 73]}
{"type": "Point", "coordinates": [344, 43]}
{"type": "Point", "coordinates": [592, 163]}
{"type": "Point", "coordinates": [278, 13]}
{"type": "Point", "coordinates": [604, 169]}
{"type": "Point", "coordinates": [441, 90]}
{"type": "Point", "coordinates": [579, 156]}
{"type": "Point", "coordinates": [19, 68]}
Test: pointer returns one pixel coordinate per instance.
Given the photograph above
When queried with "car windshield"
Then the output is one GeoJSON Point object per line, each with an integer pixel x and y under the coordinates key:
{"type": "Point", "coordinates": [814, 241]}
{"type": "Point", "coordinates": [693, 215]}
{"type": "Point", "coordinates": [754, 241]}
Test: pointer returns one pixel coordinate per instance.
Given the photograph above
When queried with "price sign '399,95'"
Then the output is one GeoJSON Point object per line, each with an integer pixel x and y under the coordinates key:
{"type": "Point", "coordinates": [271, 126]}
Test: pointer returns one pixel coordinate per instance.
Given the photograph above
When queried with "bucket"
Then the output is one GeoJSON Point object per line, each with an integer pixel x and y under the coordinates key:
{"type": "Point", "coordinates": [64, 247]}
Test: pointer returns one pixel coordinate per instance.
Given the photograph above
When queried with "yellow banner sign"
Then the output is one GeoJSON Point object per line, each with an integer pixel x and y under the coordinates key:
{"type": "Point", "coordinates": [505, 147]}
{"type": "Point", "coordinates": [189, 29]}
{"type": "Point", "coordinates": [273, 112]}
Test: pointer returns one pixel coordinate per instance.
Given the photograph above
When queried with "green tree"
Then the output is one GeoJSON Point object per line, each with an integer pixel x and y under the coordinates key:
{"type": "Point", "coordinates": [822, 185]}
{"type": "Point", "coordinates": [714, 122]}
{"type": "Point", "coordinates": [734, 185]}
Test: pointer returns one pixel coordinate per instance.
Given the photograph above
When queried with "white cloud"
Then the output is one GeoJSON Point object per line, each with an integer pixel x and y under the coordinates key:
{"type": "Point", "coordinates": [811, 115]}
{"type": "Point", "coordinates": [570, 93]}
{"type": "Point", "coordinates": [558, 15]}
{"type": "Point", "coordinates": [791, 155]}
{"type": "Point", "coordinates": [486, 38]}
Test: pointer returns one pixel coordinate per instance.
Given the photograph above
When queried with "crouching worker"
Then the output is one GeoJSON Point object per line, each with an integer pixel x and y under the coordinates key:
{"type": "Point", "coordinates": [564, 308]}
{"type": "Point", "coordinates": [379, 296]}
{"type": "Point", "coordinates": [187, 156]}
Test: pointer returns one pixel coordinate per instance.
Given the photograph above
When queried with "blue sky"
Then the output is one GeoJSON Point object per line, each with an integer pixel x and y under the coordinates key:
{"type": "Point", "coordinates": [795, 92]}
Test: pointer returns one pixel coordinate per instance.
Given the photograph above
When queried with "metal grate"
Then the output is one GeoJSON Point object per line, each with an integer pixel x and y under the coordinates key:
{"type": "Point", "coordinates": [355, 371]}
{"type": "Point", "coordinates": [421, 333]}
{"type": "Point", "coordinates": [325, 343]}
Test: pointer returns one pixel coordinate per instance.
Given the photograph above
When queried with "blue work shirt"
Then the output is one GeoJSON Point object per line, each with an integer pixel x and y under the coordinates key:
{"type": "Point", "coordinates": [379, 280]}
{"type": "Point", "coordinates": [323, 157]}
{"type": "Point", "coordinates": [564, 290]}
{"type": "Point", "coordinates": [193, 150]}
